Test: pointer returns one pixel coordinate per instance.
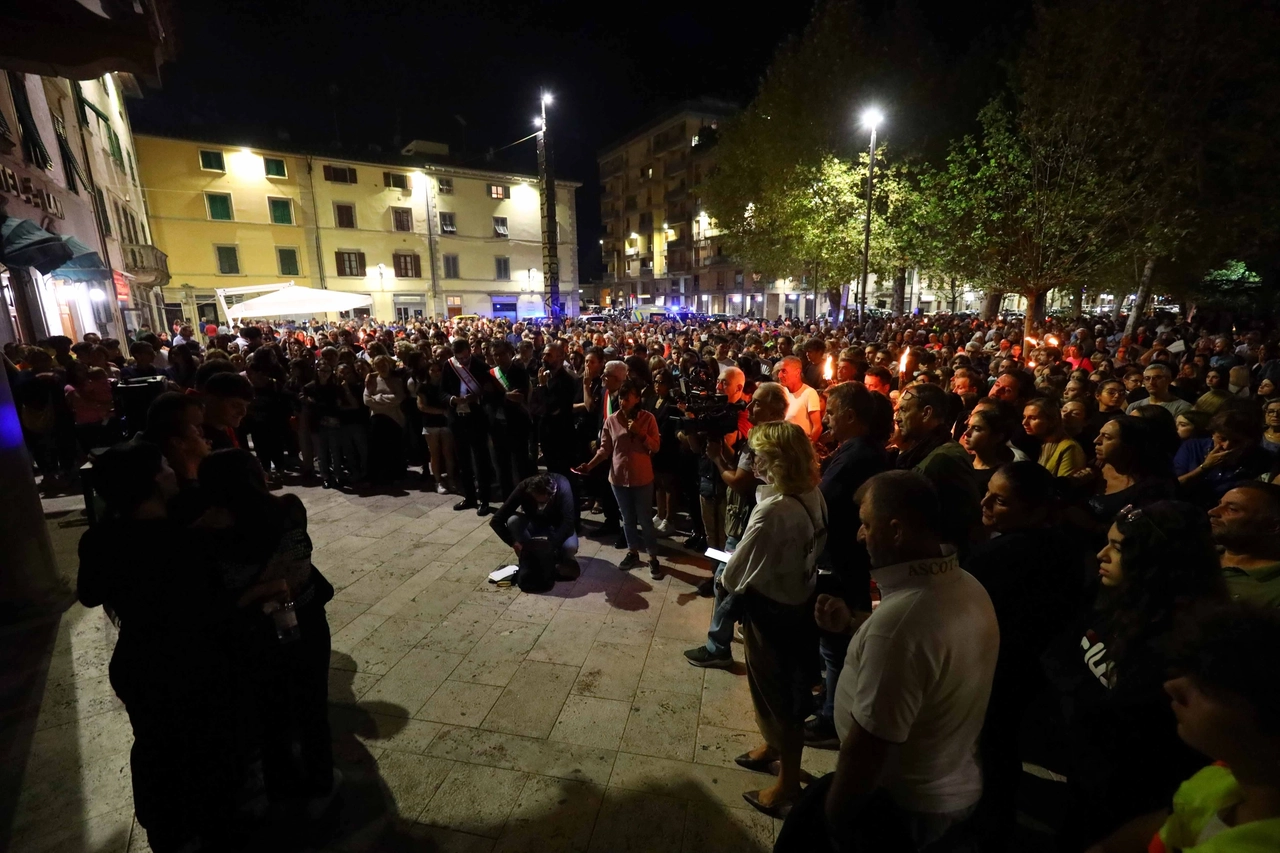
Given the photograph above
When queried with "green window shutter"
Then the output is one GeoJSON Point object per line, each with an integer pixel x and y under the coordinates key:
{"type": "Point", "coordinates": [228, 260]}
{"type": "Point", "coordinates": [274, 167]}
{"type": "Point", "coordinates": [281, 211]}
{"type": "Point", "coordinates": [219, 206]}
{"type": "Point", "coordinates": [288, 261]}
{"type": "Point", "coordinates": [32, 145]}
{"type": "Point", "coordinates": [213, 160]}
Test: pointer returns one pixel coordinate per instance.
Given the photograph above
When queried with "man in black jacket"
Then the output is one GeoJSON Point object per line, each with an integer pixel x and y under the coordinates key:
{"type": "Point", "coordinates": [465, 381]}
{"type": "Point", "coordinates": [541, 507]}
{"type": "Point", "coordinates": [845, 565]}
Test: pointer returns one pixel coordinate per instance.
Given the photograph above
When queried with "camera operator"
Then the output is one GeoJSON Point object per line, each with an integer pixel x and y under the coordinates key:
{"type": "Point", "coordinates": [711, 488]}
{"type": "Point", "coordinates": [735, 472]}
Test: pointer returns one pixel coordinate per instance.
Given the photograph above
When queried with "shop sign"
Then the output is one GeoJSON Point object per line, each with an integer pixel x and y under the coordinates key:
{"type": "Point", "coordinates": [25, 189]}
{"type": "Point", "coordinates": [121, 283]}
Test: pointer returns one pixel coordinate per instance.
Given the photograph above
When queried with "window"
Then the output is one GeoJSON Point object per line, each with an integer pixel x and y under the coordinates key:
{"type": "Point", "coordinates": [401, 219]}
{"type": "Point", "coordinates": [101, 203]}
{"type": "Point", "coordinates": [340, 174]}
{"type": "Point", "coordinates": [287, 258]}
{"type": "Point", "coordinates": [219, 205]}
{"type": "Point", "coordinates": [451, 267]}
{"type": "Point", "coordinates": [344, 215]}
{"type": "Point", "coordinates": [453, 301]}
{"type": "Point", "coordinates": [350, 264]}
{"type": "Point", "coordinates": [274, 167]}
{"type": "Point", "coordinates": [500, 226]}
{"type": "Point", "coordinates": [445, 185]}
{"type": "Point", "coordinates": [407, 265]}
{"type": "Point", "coordinates": [228, 260]}
{"type": "Point", "coordinates": [399, 180]}
{"type": "Point", "coordinates": [448, 225]}
{"type": "Point", "coordinates": [499, 191]}
{"type": "Point", "coordinates": [281, 211]}
{"type": "Point", "coordinates": [212, 161]}
{"type": "Point", "coordinates": [502, 269]}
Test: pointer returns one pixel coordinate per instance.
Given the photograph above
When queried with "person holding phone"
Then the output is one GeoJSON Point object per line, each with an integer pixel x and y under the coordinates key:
{"type": "Point", "coordinates": [629, 439]}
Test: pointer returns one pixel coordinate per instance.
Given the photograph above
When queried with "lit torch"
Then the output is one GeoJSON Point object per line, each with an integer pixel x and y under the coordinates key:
{"type": "Point", "coordinates": [828, 372]}
{"type": "Point", "coordinates": [1031, 341]}
{"type": "Point", "coordinates": [902, 368]}
{"type": "Point", "coordinates": [1051, 341]}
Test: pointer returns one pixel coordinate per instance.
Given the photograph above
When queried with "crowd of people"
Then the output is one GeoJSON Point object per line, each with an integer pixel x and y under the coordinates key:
{"type": "Point", "coordinates": [1021, 582]}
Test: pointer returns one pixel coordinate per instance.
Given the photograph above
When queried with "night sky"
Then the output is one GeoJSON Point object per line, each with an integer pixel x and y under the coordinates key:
{"type": "Point", "coordinates": [338, 75]}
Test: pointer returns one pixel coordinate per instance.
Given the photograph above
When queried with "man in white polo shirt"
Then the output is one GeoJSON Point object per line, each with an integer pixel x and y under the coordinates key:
{"type": "Point", "coordinates": [913, 693]}
{"type": "Point", "coordinates": [804, 405]}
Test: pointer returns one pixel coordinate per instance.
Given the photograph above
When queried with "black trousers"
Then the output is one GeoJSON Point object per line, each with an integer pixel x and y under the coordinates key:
{"type": "Point", "coordinates": [511, 452]}
{"type": "Point", "coordinates": [471, 438]}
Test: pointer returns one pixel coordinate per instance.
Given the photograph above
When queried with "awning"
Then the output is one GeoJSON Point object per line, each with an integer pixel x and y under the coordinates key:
{"type": "Point", "coordinates": [25, 244]}
{"type": "Point", "coordinates": [297, 301]}
{"type": "Point", "coordinates": [85, 264]}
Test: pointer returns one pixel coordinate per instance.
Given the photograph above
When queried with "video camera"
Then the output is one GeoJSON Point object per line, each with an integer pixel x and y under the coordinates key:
{"type": "Point", "coordinates": [708, 413]}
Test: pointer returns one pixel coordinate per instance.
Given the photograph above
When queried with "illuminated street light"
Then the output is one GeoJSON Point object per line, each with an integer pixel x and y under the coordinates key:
{"type": "Point", "coordinates": [871, 119]}
{"type": "Point", "coordinates": [546, 97]}
{"type": "Point", "coordinates": [537, 121]}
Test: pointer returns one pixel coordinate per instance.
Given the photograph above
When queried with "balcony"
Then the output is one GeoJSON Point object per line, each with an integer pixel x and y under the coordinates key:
{"type": "Point", "coordinates": [681, 242]}
{"type": "Point", "coordinates": [675, 166]}
{"type": "Point", "coordinates": [611, 167]}
{"type": "Point", "coordinates": [676, 193]}
{"type": "Point", "coordinates": [147, 264]}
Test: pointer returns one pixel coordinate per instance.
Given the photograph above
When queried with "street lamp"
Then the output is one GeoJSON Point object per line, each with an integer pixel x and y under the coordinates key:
{"type": "Point", "coordinates": [550, 231]}
{"type": "Point", "coordinates": [871, 118]}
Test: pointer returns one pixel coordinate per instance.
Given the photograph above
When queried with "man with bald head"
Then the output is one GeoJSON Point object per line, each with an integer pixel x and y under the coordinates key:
{"type": "Point", "coordinates": [804, 406]}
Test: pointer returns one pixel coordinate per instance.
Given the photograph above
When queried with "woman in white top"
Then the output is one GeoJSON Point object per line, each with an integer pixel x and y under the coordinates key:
{"type": "Point", "coordinates": [773, 570]}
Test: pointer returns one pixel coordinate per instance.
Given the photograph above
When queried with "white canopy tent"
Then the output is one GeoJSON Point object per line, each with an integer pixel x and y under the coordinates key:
{"type": "Point", "coordinates": [290, 300]}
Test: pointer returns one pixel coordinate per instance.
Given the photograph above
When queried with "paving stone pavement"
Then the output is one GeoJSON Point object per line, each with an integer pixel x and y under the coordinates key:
{"type": "Point", "coordinates": [466, 717]}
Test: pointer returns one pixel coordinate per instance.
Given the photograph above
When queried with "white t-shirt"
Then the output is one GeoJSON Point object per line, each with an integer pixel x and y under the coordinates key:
{"type": "Point", "coordinates": [918, 674]}
{"type": "Point", "coordinates": [800, 404]}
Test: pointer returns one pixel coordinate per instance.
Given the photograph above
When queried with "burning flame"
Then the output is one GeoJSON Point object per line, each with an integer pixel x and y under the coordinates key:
{"type": "Point", "coordinates": [1030, 340]}
{"type": "Point", "coordinates": [829, 371]}
{"type": "Point", "coordinates": [1051, 341]}
{"type": "Point", "coordinates": [902, 363]}
{"type": "Point", "coordinates": [1031, 364]}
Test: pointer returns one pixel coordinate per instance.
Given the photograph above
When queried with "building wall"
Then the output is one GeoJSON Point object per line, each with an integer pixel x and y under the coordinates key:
{"type": "Point", "coordinates": [49, 305]}
{"type": "Point", "coordinates": [177, 186]}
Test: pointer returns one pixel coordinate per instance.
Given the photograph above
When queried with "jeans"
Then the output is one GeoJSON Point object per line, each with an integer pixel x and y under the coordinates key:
{"type": "Point", "coordinates": [720, 634]}
{"type": "Point", "coordinates": [355, 449]}
{"type": "Point", "coordinates": [636, 505]}
{"type": "Point", "coordinates": [330, 453]}
{"type": "Point", "coordinates": [832, 648]}
{"type": "Point", "coordinates": [523, 529]}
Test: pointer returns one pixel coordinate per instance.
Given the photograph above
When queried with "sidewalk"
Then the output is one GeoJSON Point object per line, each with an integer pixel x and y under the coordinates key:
{"type": "Point", "coordinates": [465, 717]}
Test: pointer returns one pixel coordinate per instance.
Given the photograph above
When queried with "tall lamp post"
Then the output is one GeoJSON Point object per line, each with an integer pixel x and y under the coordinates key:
{"type": "Point", "coordinates": [550, 254]}
{"type": "Point", "coordinates": [871, 118]}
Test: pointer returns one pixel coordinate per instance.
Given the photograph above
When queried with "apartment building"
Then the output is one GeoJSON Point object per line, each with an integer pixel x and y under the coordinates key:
{"type": "Point", "coordinates": [68, 171]}
{"type": "Point", "coordinates": [659, 246]}
{"type": "Point", "coordinates": [420, 238]}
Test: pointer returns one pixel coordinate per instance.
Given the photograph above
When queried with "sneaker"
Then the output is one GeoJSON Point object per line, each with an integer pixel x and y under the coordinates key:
{"type": "Point", "coordinates": [655, 569]}
{"type": "Point", "coordinates": [630, 561]}
{"type": "Point", "coordinates": [441, 489]}
{"type": "Point", "coordinates": [696, 543]}
{"type": "Point", "coordinates": [621, 541]}
{"type": "Point", "coordinates": [820, 733]}
{"type": "Point", "coordinates": [662, 527]}
{"type": "Point", "coordinates": [464, 504]}
{"type": "Point", "coordinates": [327, 484]}
{"type": "Point", "coordinates": [484, 509]}
{"type": "Point", "coordinates": [656, 521]}
{"type": "Point", "coordinates": [707, 659]}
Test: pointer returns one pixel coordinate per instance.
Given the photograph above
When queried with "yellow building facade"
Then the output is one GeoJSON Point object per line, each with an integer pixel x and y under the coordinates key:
{"type": "Point", "coordinates": [421, 239]}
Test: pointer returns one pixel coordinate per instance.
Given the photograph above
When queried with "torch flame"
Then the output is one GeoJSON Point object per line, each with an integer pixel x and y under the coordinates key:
{"type": "Point", "coordinates": [1051, 341]}
{"type": "Point", "coordinates": [1031, 364]}
{"type": "Point", "coordinates": [902, 363]}
{"type": "Point", "coordinates": [1030, 340]}
{"type": "Point", "coordinates": [829, 371]}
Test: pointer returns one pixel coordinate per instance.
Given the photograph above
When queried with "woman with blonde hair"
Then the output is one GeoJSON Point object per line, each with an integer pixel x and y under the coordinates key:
{"type": "Point", "coordinates": [773, 570]}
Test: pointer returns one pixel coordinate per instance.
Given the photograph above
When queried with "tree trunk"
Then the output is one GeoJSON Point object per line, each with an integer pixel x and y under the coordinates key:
{"type": "Point", "coordinates": [955, 295]}
{"type": "Point", "coordinates": [1144, 293]}
{"type": "Point", "coordinates": [1029, 320]}
{"type": "Point", "coordinates": [991, 305]}
{"type": "Point", "coordinates": [899, 291]}
{"type": "Point", "coordinates": [1036, 304]}
{"type": "Point", "coordinates": [1115, 309]}
{"type": "Point", "coordinates": [1077, 302]}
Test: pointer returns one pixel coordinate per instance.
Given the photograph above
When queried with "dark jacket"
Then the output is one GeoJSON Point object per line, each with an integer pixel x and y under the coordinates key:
{"type": "Point", "coordinates": [843, 473]}
{"type": "Point", "coordinates": [557, 518]}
